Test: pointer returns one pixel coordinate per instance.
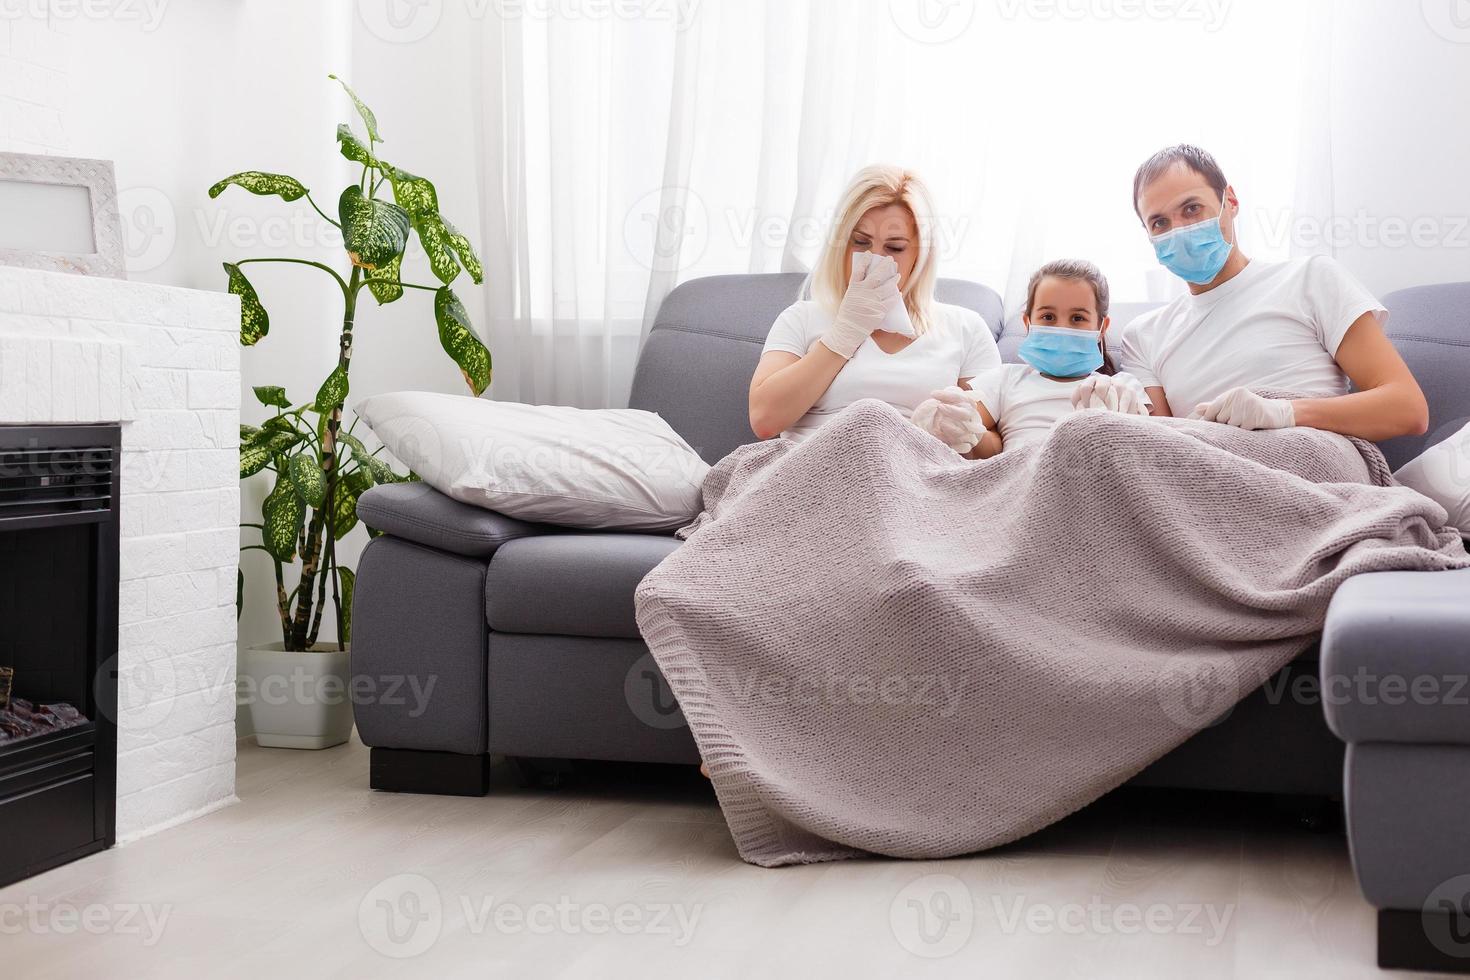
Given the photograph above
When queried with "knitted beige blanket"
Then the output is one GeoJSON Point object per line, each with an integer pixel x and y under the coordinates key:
{"type": "Point", "coordinates": [882, 647]}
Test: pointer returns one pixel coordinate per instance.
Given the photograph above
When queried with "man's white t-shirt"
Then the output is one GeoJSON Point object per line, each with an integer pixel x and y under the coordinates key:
{"type": "Point", "coordinates": [1274, 325]}
{"type": "Point", "coordinates": [1024, 402]}
{"type": "Point", "coordinates": [958, 344]}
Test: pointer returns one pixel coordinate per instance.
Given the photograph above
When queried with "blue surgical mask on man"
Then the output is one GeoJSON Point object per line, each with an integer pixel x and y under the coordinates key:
{"type": "Point", "coordinates": [1195, 253]}
{"type": "Point", "coordinates": [1062, 352]}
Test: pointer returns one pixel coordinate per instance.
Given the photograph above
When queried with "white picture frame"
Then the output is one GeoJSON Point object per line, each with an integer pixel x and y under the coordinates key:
{"type": "Point", "coordinates": [60, 215]}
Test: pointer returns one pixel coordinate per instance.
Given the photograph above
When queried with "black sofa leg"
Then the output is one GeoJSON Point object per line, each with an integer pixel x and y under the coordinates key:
{"type": "Point", "coordinates": [441, 773]}
{"type": "Point", "coordinates": [1434, 942]}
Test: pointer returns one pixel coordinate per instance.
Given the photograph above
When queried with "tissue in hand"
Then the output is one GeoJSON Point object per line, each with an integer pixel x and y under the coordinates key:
{"type": "Point", "coordinates": [897, 321]}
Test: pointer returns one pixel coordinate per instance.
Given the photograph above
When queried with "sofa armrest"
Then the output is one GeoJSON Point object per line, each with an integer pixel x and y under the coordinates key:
{"type": "Point", "coordinates": [1396, 658]}
{"type": "Point", "coordinates": [419, 513]}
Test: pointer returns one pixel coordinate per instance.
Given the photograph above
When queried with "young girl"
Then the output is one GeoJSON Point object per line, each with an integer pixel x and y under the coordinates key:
{"type": "Point", "coordinates": [1066, 320]}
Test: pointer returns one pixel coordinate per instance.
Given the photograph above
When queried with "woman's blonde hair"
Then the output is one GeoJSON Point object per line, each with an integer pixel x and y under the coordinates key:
{"type": "Point", "coordinates": [875, 187]}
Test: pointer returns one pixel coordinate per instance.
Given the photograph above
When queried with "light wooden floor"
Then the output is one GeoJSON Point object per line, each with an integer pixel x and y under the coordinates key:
{"type": "Point", "coordinates": [300, 878]}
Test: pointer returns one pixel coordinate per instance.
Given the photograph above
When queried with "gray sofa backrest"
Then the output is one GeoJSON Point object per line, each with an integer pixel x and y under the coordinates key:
{"type": "Point", "coordinates": [697, 361]}
{"type": "Point", "coordinates": [1430, 328]}
{"type": "Point", "coordinates": [695, 367]}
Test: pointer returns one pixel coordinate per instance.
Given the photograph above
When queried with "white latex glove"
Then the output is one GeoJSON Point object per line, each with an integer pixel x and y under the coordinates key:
{"type": "Point", "coordinates": [1116, 393]}
{"type": "Point", "coordinates": [1245, 409]}
{"type": "Point", "coordinates": [898, 320]}
{"type": "Point", "coordinates": [871, 293]}
{"type": "Point", "coordinates": [950, 416]}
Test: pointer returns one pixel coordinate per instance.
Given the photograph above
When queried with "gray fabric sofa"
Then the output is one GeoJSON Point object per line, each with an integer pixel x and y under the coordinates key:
{"type": "Point", "coordinates": [1396, 688]}
{"type": "Point", "coordinates": [476, 633]}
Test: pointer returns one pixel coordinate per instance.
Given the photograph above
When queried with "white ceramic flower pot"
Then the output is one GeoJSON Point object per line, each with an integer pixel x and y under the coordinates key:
{"type": "Point", "coordinates": [297, 700]}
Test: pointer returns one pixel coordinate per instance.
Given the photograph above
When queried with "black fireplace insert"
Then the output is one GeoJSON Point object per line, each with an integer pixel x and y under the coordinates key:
{"type": "Point", "coordinates": [59, 528]}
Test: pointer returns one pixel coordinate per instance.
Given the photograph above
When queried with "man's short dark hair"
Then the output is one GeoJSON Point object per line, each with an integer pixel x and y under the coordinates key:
{"type": "Point", "coordinates": [1192, 157]}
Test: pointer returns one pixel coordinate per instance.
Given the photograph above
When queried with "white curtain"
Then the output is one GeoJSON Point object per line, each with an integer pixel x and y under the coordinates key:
{"type": "Point", "coordinates": [625, 148]}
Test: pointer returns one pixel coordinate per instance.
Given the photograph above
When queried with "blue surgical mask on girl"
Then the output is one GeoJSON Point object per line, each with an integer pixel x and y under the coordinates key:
{"type": "Point", "coordinates": [1062, 352]}
{"type": "Point", "coordinates": [1195, 253]}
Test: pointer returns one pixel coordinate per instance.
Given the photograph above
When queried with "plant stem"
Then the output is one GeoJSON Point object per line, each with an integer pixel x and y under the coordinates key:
{"type": "Point", "coordinates": [320, 211]}
{"type": "Point", "coordinates": [321, 586]}
{"type": "Point", "coordinates": [283, 606]}
{"type": "Point", "coordinates": [407, 285]}
{"type": "Point", "coordinates": [337, 599]}
{"type": "Point", "coordinates": [312, 554]}
{"type": "Point", "coordinates": [315, 265]}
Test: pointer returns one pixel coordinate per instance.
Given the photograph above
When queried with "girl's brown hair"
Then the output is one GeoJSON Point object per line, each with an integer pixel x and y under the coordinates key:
{"type": "Point", "coordinates": [1077, 270]}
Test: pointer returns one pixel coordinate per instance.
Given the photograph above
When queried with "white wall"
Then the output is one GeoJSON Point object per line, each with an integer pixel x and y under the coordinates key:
{"type": "Point", "coordinates": [177, 97]}
{"type": "Point", "coordinates": [1401, 141]}
{"type": "Point", "coordinates": [179, 94]}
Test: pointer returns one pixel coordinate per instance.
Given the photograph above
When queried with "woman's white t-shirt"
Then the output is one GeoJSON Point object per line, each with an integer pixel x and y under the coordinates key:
{"type": "Point", "coordinates": [1273, 325]}
{"type": "Point", "coordinates": [958, 344]}
{"type": "Point", "coordinates": [1024, 402]}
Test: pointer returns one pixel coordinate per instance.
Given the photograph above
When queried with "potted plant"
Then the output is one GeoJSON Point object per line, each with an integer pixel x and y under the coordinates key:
{"type": "Point", "coordinates": [296, 687]}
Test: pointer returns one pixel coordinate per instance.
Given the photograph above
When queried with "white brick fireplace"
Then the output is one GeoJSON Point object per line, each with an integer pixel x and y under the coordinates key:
{"type": "Point", "coordinates": [165, 363]}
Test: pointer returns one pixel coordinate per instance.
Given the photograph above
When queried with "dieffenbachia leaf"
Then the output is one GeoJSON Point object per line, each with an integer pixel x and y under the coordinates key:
{"type": "Point", "coordinates": [256, 453]}
{"type": "Point", "coordinates": [248, 432]}
{"type": "Point", "coordinates": [346, 582]}
{"type": "Point", "coordinates": [352, 147]}
{"type": "Point", "coordinates": [414, 194]}
{"type": "Point", "coordinates": [344, 512]}
{"type": "Point", "coordinates": [380, 471]}
{"type": "Point", "coordinates": [283, 513]}
{"type": "Point", "coordinates": [459, 341]}
{"type": "Point", "coordinates": [306, 473]}
{"type": "Point", "coordinates": [435, 239]}
{"type": "Point", "coordinates": [332, 392]}
{"type": "Point", "coordinates": [281, 423]}
{"type": "Point", "coordinates": [466, 253]}
{"type": "Point", "coordinates": [383, 282]}
{"type": "Point", "coordinates": [272, 395]}
{"type": "Point", "coordinates": [417, 196]}
{"type": "Point", "coordinates": [260, 182]}
{"type": "Point", "coordinates": [374, 232]}
{"type": "Point", "coordinates": [368, 119]}
{"type": "Point", "coordinates": [254, 321]}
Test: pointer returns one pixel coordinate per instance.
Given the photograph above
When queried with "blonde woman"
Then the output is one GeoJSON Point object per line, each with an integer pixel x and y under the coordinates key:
{"type": "Point", "coordinates": [824, 353]}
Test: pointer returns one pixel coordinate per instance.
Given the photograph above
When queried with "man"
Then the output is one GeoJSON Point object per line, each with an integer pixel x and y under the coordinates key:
{"type": "Point", "coordinates": [1303, 326]}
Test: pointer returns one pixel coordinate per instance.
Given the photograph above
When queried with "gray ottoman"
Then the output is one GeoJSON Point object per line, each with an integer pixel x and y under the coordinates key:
{"type": "Point", "coordinates": [1396, 688]}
